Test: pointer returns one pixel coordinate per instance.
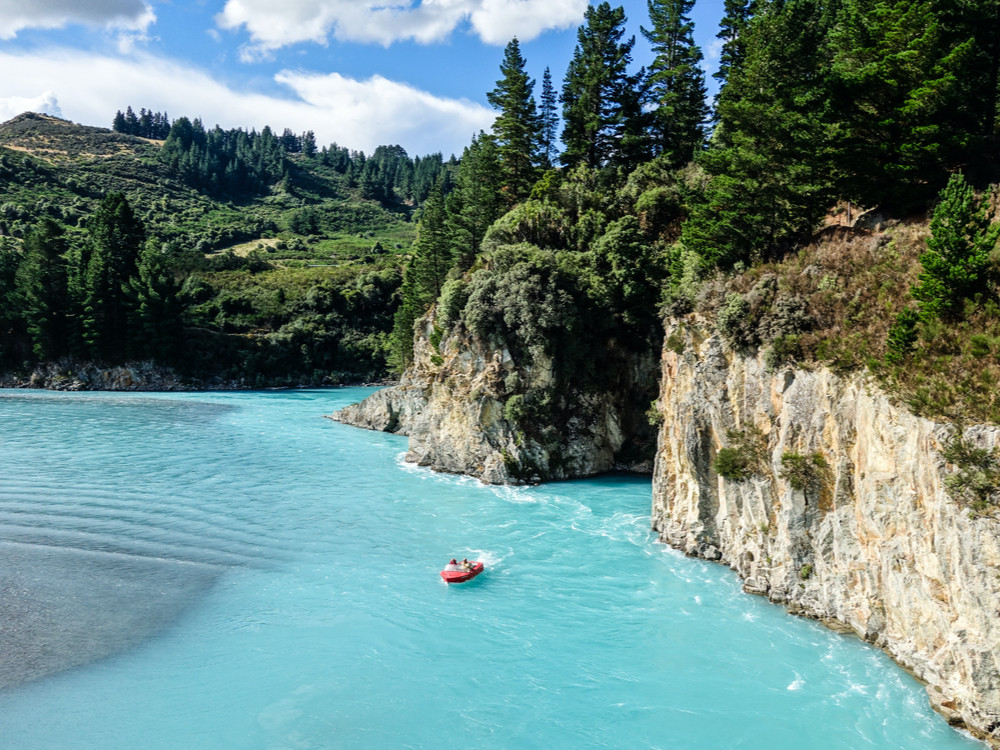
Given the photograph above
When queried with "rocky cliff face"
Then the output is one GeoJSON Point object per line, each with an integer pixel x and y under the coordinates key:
{"type": "Point", "coordinates": [468, 407]}
{"type": "Point", "coordinates": [872, 543]}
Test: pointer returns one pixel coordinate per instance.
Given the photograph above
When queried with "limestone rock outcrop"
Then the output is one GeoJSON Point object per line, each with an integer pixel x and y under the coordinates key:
{"type": "Point", "coordinates": [872, 542]}
{"type": "Point", "coordinates": [456, 405]}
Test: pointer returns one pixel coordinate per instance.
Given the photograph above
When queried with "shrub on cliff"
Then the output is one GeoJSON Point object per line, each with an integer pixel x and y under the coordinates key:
{"type": "Point", "coordinates": [735, 324]}
{"type": "Point", "coordinates": [523, 299]}
{"type": "Point", "coordinates": [803, 472]}
{"type": "Point", "coordinates": [539, 223]}
{"type": "Point", "coordinates": [976, 483]}
{"type": "Point", "coordinates": [454, 296]}
{"type": "Point", "coordinates": [745, 456]}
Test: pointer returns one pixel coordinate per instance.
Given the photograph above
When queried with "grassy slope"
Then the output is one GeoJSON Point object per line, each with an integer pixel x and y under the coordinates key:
{"type": "Point", "coordinates": [53, 167]}
{"type": "Point", "coordinates": [852, 283]}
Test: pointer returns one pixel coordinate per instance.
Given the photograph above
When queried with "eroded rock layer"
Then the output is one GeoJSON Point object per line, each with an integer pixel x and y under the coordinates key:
{"type": "Point", "coordinates": [871, 541]}
{"type": "Point", "coordinates": [470, 407]}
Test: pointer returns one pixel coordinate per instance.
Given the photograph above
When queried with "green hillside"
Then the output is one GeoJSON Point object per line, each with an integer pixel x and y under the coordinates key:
{"type": "Point", "coordinates": [257, 271]}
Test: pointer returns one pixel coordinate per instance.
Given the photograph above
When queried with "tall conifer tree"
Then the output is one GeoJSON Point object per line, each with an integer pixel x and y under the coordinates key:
{"type": "Point", "coordinates": [899, 92]}
{"type": "Point", "coordinates": [10, 305]}
{"type": "Point", "coordinates": [771, 159]}
{"type": "Point", "coordinates": [476, 201]}
{"type": "Point", "coordinates": [676, 82]}
{"type": "Point", "coordinates": [977, 21]}
{"type": "Point", "coordinates": [155, 314]}
{"type": "Point", "coordinates": [42, 289]}
{"type": "Point", "coordinates": [602, 102]}
{"type": "Point", "coordinates": [549, 119]}
{"type": "Point", "coordinates": [432, 250]}
{"type": "Point", "coordinates": [425, 274]}
{"type": "Point", "coordinates": [731, 29]}
{"type": "Point", "coordinates": [115, 237]}
{"type": "Point", "coordinates": [517, 127]}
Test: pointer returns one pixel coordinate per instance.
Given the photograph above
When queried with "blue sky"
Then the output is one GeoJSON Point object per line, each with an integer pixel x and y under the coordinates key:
{"type": "Point", "coordinates": [357, 72]}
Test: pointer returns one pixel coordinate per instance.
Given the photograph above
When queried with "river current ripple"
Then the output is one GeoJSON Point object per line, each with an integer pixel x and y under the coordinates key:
{"type": "Point", "coordinates": [231, 570]}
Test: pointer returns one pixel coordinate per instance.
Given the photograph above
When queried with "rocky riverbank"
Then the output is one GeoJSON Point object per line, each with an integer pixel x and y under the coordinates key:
{"type": "Point", "coordinates": [858, 531]}
{"type": "Point", "coordinates": [818, 490]}
{"type": "Point", "coordinates": [89, 376]}
{"type": "Point", "coordinates": [68, 375]}
{"type": "Point", "coordinates": [462, 414]}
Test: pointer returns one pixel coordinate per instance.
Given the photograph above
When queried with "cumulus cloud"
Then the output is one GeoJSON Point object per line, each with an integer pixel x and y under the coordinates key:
{"type": "Point", "coordinates": [356, 114]}
{"type": "Point", "coordinates": [45, 103]}
{"type": "Point", "coordinates": [129, 15]}
{"type": "Point", "coordinates": [713, 57]}
{"type": "Point", "coordinates": [272, 26]}
{"type": "Point", "coordinates": [378, 111]}
{"type": "Point", "coordinates": [499, 21]}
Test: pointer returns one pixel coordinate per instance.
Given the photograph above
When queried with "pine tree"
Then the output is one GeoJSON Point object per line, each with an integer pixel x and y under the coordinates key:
{"type": "Point", "coordinates": [10, 303]}
{"type": "Point", "coordinates": [602, 102]}
{"type": "Point", "coordinates": [676, 82]}
{"type": "Point", "coordinates": [731, 31]}
{"type": "Point", "coordinates": [115, 236]}
{"type": "Point", "coordinates": [517, 125]}
{"type": "Point", "coordinates": [309, 144]}
{"type": "Point", "coordinates": [956, 265]}
{"type": "Point", "coordinates": [549, 117]}
{"type": "Point", "coordinates": [424, 277]}
{"type": "Point", "coordinates": [432, 250]}
{"type": "Point", "coordinates": [145, 123]}
{"type": "Point", "coordinates": [976, 22]}
{"type": "Point", "coordinates": [476, 200]}
{"type": "Point", "coordinates": [131, 122]}
{"type": "Point", "coordinates": [290, 142]}
{"type": "Point", "coordinates": [155, 311]}
{"type": "Point", "coordinates": [401, 339]}
{"type": "Point", "coordinates": [982, 17]}
{"type": "Point", "coordinates": [771, 158]}
{"type": "Point", "coordinates": [899, 92]}
{"type": "Point", "coordinates": [42, 289]}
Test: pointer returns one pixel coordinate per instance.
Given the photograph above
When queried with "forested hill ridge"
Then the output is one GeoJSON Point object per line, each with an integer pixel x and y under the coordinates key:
{"type": "Point", "coordinates": [233, 257]}
{"type": "Point", "coordinates": [565, 232]}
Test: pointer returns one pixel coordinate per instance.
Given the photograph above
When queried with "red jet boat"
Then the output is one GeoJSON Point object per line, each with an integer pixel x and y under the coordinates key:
{"type": "Point", "coordinates": [461, 573]}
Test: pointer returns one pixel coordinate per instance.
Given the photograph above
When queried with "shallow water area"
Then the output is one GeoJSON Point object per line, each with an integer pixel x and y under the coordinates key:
{"type": "Point", "coordinates": [231, 570]}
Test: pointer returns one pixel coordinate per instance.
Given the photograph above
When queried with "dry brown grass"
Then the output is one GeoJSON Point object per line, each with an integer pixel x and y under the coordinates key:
{"type": "Point", "coordinates": [854, 283]}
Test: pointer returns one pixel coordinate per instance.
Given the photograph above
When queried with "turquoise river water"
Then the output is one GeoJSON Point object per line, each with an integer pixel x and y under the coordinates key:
{"type": "Point", "coordinates": [231, 571]}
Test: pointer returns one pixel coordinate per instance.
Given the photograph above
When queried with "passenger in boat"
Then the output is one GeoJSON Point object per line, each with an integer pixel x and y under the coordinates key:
{"type": "Point", "coordinates": [453, 565]}
{"type": "Point", "coordinates": [466, 565]}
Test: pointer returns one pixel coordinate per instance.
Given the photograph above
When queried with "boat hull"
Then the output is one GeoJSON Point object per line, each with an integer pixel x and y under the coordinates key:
{"type": "Point", "coordinates": [460, 576]}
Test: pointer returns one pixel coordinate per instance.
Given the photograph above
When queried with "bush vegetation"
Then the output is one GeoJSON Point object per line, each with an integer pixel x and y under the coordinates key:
{"type": "Point", "coordinates": [745, 456]}
{"type": "Point", "coordinates": [976, 481]}
{"type": "Point", "coordinates": [803, 473]}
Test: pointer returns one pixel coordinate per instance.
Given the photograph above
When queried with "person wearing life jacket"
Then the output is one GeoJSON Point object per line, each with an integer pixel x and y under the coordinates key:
{"type": "Point", "coordinates": [453, 565]}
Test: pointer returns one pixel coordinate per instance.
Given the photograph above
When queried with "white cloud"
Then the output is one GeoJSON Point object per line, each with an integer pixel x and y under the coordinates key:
{"type": "Point", "coordinates": [713, 57]}
{"type": "Point", "coordinates": [272, 26]}
{"type": "Point", "coordinates": [127, 15]}
{"type": "Point", "coordinates": [378, 111]}
{"type": "Point", "coordinates": [357, 114]}
{"type": "Point", "coordinates": [498, 21]}
{"type": "Point", "coordinates": [45, 103]}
